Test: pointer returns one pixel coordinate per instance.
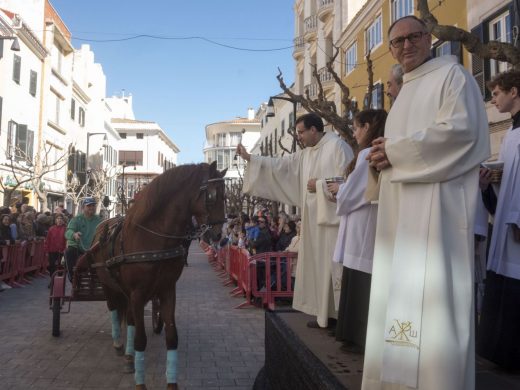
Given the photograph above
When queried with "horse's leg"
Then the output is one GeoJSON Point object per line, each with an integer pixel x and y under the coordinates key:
{"type": "Point", "coordinates": [137, 303]}
{"type": "Point", "coordinates": [172, 340]}
{"type": "Point", "coordinates": [115, 320]}
{"type": "Point", "coordinates": [130, 336]}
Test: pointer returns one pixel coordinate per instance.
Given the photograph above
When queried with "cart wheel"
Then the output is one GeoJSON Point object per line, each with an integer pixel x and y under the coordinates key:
{"type": "Point", "coordinates": [157, 322]}
{"type": "Point", "coordinates": [56, 312]}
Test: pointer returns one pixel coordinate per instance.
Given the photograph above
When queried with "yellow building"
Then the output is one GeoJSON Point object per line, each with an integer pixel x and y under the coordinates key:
{"type": "Point", "coordinates": [357, 26]}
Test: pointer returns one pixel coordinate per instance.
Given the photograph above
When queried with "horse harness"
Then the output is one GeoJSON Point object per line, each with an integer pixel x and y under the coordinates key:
{"type": "Point", "coordinates": [111, 233]}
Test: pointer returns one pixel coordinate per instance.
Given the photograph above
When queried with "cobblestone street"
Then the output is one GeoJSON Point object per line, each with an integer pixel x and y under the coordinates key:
{"type": "Point", "coordinates": [219, 347]}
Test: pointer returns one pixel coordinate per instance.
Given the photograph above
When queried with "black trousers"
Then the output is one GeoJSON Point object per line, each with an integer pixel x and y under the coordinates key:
{"type": "Point", "coordinates": [71, 257]}
{"type": "Point", "coordinates": [54, 259]}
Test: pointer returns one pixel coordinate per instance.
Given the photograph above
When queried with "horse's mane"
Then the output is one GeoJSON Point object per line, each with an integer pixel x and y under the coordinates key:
{"type": "Point", "coordinates": [161, 189]}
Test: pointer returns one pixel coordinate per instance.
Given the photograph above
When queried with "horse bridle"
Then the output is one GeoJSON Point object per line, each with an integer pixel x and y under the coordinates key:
{"type": "Point", "coordinates": [198, 233]}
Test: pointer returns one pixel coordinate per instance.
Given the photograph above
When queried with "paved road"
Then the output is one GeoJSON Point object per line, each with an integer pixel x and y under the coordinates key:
{"type": "Point", "coordinates": [219, 347]}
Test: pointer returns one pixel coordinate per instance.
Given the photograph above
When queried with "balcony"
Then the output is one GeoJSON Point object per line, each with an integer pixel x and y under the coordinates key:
{"type": "Point", "coordinates": [325, 8]}
{"type": "Point", "coordinates": [310, 27]}
{"type": "Point", "coordinates": [312, 90]}
{"type": "Point", "coordinates": [299, 46]}
{"type": "Point", "coordinates": [326, 78]}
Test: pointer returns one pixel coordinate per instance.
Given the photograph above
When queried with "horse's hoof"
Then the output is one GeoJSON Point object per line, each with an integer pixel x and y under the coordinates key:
{"type": "Point", "coordinates": [120, 349]}
{"type": "Point", "coordinates": [128, 367]}
{"type": "Point", "coordinates": [172, 386]}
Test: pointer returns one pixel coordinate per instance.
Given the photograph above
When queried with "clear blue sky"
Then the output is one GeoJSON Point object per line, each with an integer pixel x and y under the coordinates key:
{"type": "Point", "coordinates": [186, 84]}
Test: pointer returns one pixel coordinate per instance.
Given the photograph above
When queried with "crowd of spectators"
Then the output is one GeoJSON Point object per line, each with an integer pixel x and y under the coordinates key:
{"type": "Point", "coordinates": [262, 232]}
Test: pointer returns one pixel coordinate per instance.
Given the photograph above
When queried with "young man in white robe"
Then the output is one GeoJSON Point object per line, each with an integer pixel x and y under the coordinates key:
{"type": "Point", "coordinates": [499, 328]}
{"type": "Point", "coordinates": [421, 325]}
{"type": "Point", "coordinates": [299, 180]}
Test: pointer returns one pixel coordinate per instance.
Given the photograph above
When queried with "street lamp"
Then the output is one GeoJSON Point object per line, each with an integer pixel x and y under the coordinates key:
{"type": "Point", "coordinates": [15, 46]}
{"type": "Point", "coordinates": [105, 139]}
{"type": "Point", "coordinates": [269, 112]}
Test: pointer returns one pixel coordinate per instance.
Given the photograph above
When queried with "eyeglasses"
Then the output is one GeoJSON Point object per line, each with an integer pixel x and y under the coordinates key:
{"type": "Point", "coordinates": [413, 38]}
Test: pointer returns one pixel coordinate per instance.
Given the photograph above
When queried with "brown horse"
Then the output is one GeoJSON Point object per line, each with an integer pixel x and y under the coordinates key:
{"type": "Point", "coordinates": [142, 256]}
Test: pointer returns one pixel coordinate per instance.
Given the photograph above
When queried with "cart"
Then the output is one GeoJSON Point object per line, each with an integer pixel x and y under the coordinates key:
{"type": "Point", "coordinates": [86, 286]}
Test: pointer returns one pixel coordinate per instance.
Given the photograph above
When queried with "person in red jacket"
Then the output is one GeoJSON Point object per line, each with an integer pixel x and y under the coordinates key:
{"type": "Point", "coordinates": [55, 242]}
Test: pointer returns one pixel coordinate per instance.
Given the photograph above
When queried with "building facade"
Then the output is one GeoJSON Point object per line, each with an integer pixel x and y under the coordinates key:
{"type": "Point", "coordinates": [222, 139]}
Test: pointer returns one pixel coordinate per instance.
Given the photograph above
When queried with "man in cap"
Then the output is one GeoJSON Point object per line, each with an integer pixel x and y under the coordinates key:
{"type": "Point", "coordinates": [80, 233]}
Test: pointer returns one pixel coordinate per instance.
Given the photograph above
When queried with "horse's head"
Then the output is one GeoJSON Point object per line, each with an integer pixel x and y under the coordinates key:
{"type": "Point", "coordinates": [209, 207]}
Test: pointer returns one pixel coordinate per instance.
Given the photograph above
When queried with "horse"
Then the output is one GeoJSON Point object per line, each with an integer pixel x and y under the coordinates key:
{"type": "Point", "coordinates": [141, 256]}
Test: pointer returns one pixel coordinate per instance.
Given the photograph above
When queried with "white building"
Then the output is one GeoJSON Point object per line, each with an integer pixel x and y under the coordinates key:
{"type": "Point", "coordinates": [223, 137]}
{"type": "Point", "coordinates": [20, 102]}
{"type": "Point", "coordinates": [145, 150]}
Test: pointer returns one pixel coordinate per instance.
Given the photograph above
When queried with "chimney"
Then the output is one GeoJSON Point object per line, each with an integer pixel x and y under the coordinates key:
{"type": "Point", "coordinates": [250, 114]}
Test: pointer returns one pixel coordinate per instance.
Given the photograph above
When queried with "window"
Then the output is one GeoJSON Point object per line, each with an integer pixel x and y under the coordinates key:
{"type": "Point", "coordinates": [17, 66]}
{"type": "Point", "coordinates": [32, 83]}
{"type": "Point", "coordinates": [139, 136]}
{"type": "Point", "coordinates": [401, 8]}
{"type": "Point", "coordinates": [1, 48]}
{"type": "Point", "coordinates": [500, 30]}
{"type": "Point", "coordinates": [1, 100]}
{"type": "Point", "coordinates": [374, 34]}
{"type": "Point", "coordinates": [351, 58]}
{"type": "Point", "coordinates": [54, 108]}
{"type": "Point", "coordinates": [72, 109]}
{"type": "Point", "coordinates": [283, 127]}
{"type": "Point", "coordinates": [122, 135]}
{"type": "Point", "coordinates": [377, 97]}
{"type": "Point", "coordinates": [442, 48]}
{"type": "Point", "coordinates": [131, 157]}
{"type": "Point", "coordinates": [23, 142]}
{"type": "Point", "coordinates": [496, 27]}
{"type": "Point", "coordinates": [221, 139]}
{"type": "Point", "coordinates": [81, 117]}
{"type": "Point", "coordinates": [236, 137]}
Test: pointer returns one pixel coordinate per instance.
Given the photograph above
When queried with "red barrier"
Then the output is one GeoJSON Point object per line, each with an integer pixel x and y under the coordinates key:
{"type": "Point", "coordinates": [247, 271]}
{"type": "Point", "coordinates": [21, 260]}
{"type": "Point", "coordinates": [8, 270]}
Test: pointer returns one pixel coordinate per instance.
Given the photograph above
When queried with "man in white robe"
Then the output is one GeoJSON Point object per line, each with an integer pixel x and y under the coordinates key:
{"type": "Point", "coordinates": [420, 328]}
{"type": "Point", "coordinates": [499, 330]}
{"type": "Point", "coordinates": [299, 180]}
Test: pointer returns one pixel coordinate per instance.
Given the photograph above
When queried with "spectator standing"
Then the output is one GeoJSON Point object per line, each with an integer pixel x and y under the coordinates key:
{"type": "Point", "coordinates": [286, 235]}
{"type": "Point", "coordinates": [356, 236]}
{"type": "Point", "coordinates": [298, 180]}
{"type": "Point", "coordinates": [420, 329]}
{"type": "Point", "coordinates": [262, 243]}
{"type": "Point", "coordinates": [55, 243]}
{"type": "Point", "coordinates": [499, 336]}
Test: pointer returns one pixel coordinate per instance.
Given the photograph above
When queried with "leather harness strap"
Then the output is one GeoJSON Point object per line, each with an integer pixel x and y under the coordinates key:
{"type": "Point", "coordinates": [142, 257]}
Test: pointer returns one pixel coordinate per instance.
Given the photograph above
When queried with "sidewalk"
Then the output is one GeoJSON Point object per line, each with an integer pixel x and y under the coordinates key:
{"type": "Point", "coordinates": [219, 347]}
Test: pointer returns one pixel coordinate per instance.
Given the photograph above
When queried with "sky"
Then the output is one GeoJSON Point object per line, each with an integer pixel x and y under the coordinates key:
{"type": "Point", "coordinates": [186, 84]}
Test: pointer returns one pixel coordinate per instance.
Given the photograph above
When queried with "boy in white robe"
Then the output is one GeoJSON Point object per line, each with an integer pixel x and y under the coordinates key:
{"type": "Point", "coordinates": [421, 324]}
{"type": "Point", "coordinates": [298, 180]}
{"type": "Point", "coordinates": [499, 328]}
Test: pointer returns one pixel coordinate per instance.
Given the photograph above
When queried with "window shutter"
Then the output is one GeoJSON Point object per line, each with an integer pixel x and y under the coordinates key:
{"type": "Point", "coordinates": [477, 63]}
{"type": "Point", "coordinates": [32, 83]}
{"type": "Point", "coordinates": [21, 143]}
{"type": "Point", "coordinates": [72, 109]}
{"type": "Point", "coordinates": [30, 145]}
{"type": "Point", "coordinates": [10, 130]}
{"type": "Point", "coordinates": [1, 48]}
{"type": "Point", "coordinates": [17, 65]}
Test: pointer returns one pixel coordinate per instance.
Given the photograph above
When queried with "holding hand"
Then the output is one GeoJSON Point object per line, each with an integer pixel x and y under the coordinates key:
{"type": "Point", "coordinates": [76, 236]}
{"type": "Point", "coordinates": [484, 178]}
{"type": "Point", "coordinates": [333, 188]}
{"type": "Point", "coordinates": [242, 152]}
{"type": "Point", "coordinates": [311, 185]}
{"type": "Point", "coordinates": [377, 155]}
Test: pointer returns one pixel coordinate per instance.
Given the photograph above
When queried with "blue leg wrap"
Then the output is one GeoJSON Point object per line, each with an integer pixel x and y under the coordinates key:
{"type": "Point", "coordinates": [171, 366]}
{"type": "Point", "coordinates": [139, 368]}
{"type": "Point", "coordinates": [130, 335]}
{"type": "Point", "coordinates": [116, 326]}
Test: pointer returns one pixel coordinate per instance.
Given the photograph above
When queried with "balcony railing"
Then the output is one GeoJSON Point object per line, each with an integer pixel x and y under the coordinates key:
{"type": "Point", "coordinates": [325, 76]}
{"type": "Point", "coordinates": [311, 24]}
{"type": "Point", "coordinates": [325, 8]}
{"type": "Point", "coordinates": [299, 45]}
